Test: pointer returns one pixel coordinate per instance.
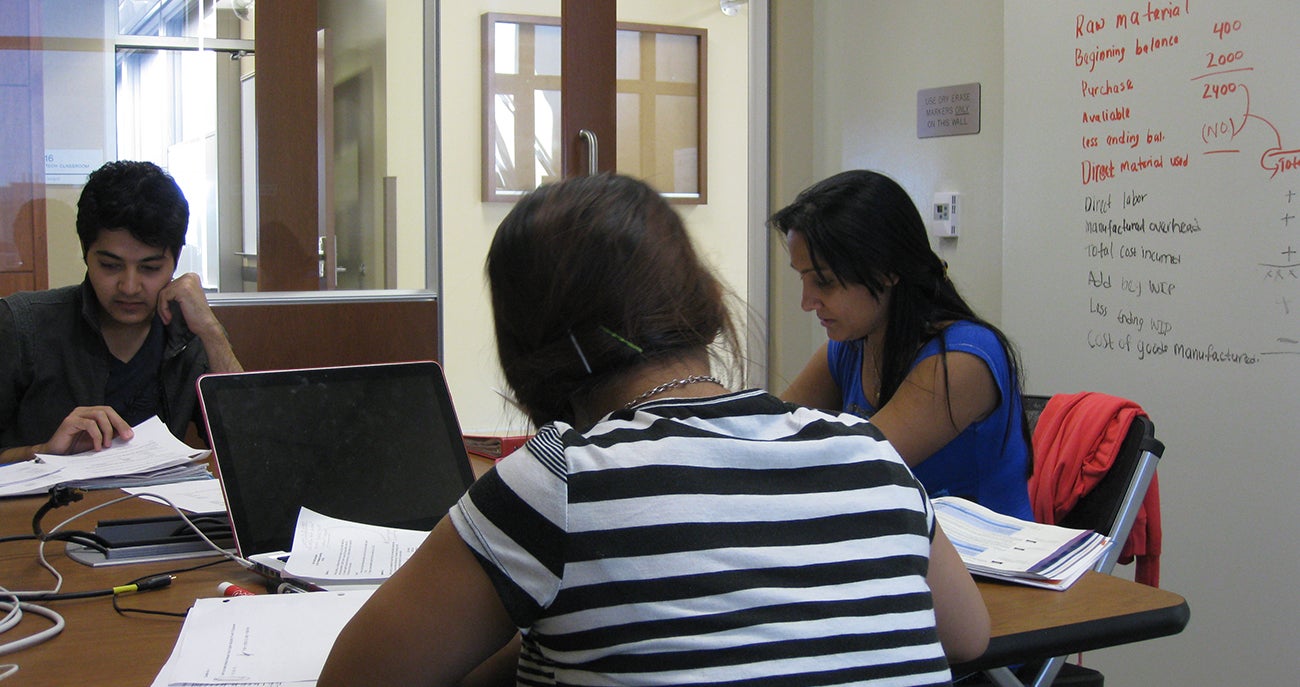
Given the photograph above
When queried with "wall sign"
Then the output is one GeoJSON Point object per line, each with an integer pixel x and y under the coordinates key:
{"type": "Point", "coordinates": [948, 111]}
{"type": "Point", "coordinates": [71, 166]}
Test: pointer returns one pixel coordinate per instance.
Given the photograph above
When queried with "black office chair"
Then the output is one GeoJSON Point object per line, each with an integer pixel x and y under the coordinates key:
{"type": "Point", "coordinates": [1111, 508]}
{"type": "Point", "coordinates": [1033, 408]}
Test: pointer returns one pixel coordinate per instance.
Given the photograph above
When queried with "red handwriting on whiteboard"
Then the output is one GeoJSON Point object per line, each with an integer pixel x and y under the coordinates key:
{"type": "Point", "coordinates": [1221, 84]}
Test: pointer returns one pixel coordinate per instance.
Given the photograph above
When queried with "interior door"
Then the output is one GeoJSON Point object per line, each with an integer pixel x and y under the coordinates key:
{"type": "Point", "coordinates": [289, 245]}
{"type": "Point", "coordinates": [588, 54]}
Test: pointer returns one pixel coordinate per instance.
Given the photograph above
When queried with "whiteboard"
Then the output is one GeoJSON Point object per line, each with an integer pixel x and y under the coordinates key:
{"type": "Point", "coordinates": [1152, 250]}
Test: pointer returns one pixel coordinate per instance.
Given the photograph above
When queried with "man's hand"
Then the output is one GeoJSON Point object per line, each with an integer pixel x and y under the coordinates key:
{"type": "Point", "coordinates": [86, 428]}
{"type": "Point", "coordinates": [187, 293]}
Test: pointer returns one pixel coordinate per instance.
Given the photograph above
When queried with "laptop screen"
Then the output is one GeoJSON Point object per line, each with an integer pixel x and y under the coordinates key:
{"type": "Point", "coordinates": [377, 444]}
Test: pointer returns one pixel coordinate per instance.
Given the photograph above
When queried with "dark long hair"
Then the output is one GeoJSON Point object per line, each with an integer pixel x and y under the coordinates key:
{"type": "Point", "coordinates": [863, 227]}
{"type": "Point", "coordinates": [590, 277]}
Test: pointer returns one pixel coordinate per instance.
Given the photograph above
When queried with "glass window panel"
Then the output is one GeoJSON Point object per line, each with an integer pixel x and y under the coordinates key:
{"type": "Point", "coordinates": [198, 95]}
{"type": "Point", "coordinates": [503, 148]}
{"type": "Point", "coordinates": [163, 89]}
{"type": "Point", "coordinates": [546, 50]}
{"type": "Point", "coordinates": [166, 114]}
{"type": "Point", "coordinates": [193, 163]}
{"type": "Point", "coordinates": [167, 18]}
{"type": "Point", "coordinates": [676, 58]}
{"type": "Point", "coordinates": [524, 119]}
{"type": "Point", "coordinates": [507, 48]}
{"type": "Point", "coordinates": [628, 55]}
{"type": "Point", "coordinates": [248, 168]}
{"type": "Point", "coordinates": [676, 154]}
{"type": "Point", "coordinates": [547, 146]}
{"type": "Point", "coordinates": [628, 130]}
{"type": "Point", "coordinates": [658, 116]}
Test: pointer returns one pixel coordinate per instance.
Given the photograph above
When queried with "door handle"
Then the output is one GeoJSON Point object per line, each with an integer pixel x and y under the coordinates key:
{"type": "Point", "coordinates": [593, 151]}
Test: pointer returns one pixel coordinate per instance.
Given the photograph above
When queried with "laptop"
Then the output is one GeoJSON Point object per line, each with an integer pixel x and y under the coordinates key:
{"type": "Point", "coordinates": [376, 444]}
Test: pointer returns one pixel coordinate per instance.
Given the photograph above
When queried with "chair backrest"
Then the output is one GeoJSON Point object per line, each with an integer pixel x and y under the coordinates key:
{"type": "Point", "coordinates": [1112, 505]}
{"type": "Point", "coordinates": [1033, 408]}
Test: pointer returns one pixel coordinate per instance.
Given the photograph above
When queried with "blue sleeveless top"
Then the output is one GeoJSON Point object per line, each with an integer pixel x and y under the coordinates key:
{"type": "Point", "coordinates": [988, 462]}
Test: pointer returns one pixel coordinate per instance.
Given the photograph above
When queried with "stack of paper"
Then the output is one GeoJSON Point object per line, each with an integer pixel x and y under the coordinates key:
{"type": "Point", "coordinates": [152, 456]}
{"type": "Point", "coordinates": [1001, 547]}
{"type": "Point", "coordinates": [268, 639]}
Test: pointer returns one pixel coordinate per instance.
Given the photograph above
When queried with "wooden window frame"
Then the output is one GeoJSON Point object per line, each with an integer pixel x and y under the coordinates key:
{"type": "Point", "coordinates": [492, 84]}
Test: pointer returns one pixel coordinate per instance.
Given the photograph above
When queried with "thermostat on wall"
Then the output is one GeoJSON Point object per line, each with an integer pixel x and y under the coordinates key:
{"type": "Point", "coordinates": [943, 216]}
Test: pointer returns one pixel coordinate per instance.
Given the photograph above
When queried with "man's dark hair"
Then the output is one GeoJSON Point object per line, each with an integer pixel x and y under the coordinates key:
{"type": "Point", "coordinates": [137, 196]}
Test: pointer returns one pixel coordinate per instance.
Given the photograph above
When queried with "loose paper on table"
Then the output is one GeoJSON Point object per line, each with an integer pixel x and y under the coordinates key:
{"type": "Point", "coordinates": [152, 456]}
{"type": "Point", "coordinates": [265, 640]}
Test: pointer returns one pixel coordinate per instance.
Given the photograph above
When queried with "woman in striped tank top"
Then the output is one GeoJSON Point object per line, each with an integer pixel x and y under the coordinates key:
{"type": "Point", "coordinates": [661, 529]}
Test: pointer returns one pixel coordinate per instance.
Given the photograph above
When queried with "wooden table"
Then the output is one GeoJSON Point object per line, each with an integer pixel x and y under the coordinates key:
{"type": "Point", "coordinates": [1097, 611]}
{"type": "Point", "coordinates": [100, 647]}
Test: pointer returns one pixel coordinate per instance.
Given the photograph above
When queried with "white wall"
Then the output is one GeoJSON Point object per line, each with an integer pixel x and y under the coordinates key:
{"type": "Point", "coordinates": [792, 333]}
{"type": "Point", "coordinates": [719, 227]}
{"type": "Point", "coordinates": [405, 136]}
{"type": "Point", "coordinates": [869, 58]}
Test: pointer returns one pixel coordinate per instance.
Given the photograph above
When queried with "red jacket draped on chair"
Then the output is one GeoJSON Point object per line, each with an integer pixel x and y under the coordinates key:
{"type": "Point", "coordinates": [1075, 442]}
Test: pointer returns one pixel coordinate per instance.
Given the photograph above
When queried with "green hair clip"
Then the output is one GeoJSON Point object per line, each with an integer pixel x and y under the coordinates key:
{"type": "Point", "coordinates": [621, 340]}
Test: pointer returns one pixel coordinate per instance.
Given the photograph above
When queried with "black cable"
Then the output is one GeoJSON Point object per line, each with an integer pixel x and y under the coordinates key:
{"type": "Point", "coordinates": [198, 566]}
{"type": "Point", "coordinates": [60, 496]}
{"type": "Point", "coordinates": [160, 581]}
{"type": "Point", "coordinates": [89, 540]}
{"type": "Point", "coordinates": [143, 584]}
{"type": "Point", "coordinates": [208, 524]}
{"type": "Point", "coordinates": [123, 610]}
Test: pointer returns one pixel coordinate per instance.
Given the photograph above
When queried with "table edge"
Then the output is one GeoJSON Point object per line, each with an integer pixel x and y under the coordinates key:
{"type": "Point", "coordinates": [1085, 636]}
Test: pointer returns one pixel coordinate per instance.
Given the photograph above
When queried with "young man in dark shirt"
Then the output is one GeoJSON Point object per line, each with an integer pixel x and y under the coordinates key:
{"type": "Point", "coordinates": [80, 365]}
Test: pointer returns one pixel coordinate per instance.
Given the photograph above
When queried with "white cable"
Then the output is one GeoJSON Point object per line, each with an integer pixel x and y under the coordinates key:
{"type": "Point", "coordinates": [15, 607]}
{"type": "Point", "coordinates": [33, 640]}
{"type": "Point", "coordinates": [244, 562]}
{"type": "Point", "coordinates": [40, 551]}
{"type": "Point", "coordinates": [15, 614]}
{"type": "Point", "coordinates": [58, 578]}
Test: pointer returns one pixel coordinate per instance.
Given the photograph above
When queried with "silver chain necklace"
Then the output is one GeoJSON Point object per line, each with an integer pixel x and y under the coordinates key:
{"type": "Point", "coordinates": [683, 381]}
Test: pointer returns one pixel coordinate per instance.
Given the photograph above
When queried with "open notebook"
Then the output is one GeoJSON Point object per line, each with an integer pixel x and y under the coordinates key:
{"type": "Point", "coordinates": [375, 444]}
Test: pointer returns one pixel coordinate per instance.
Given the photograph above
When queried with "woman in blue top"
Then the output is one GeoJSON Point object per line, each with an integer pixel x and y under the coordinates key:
{"type": "Point", "coordinates": [904, 349]}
